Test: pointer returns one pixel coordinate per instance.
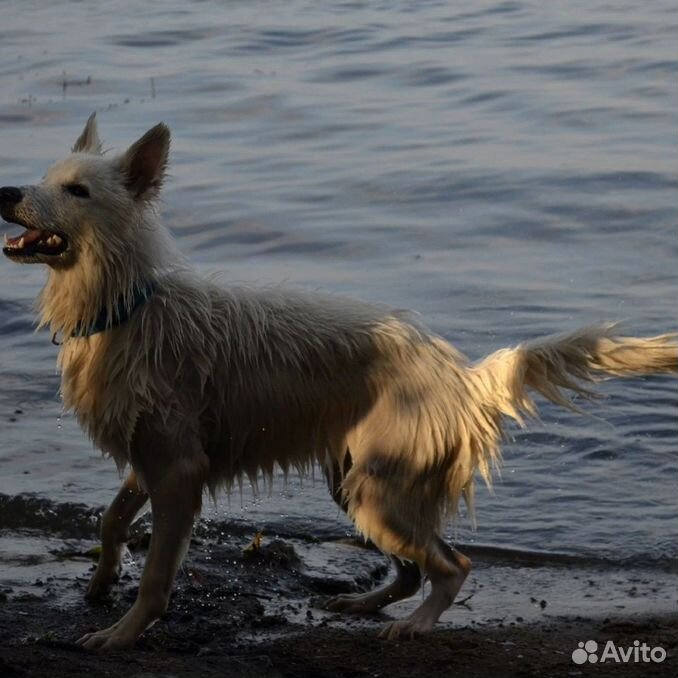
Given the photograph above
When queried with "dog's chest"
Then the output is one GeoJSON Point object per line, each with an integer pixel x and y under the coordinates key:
{"type": "Point", "coordinates": [97, 387]}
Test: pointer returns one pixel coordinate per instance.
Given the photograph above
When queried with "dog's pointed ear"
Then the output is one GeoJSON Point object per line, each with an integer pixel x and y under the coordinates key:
{"type": "Point", "coordinates": [88, 141]}
{"type": "Point", "coordinates": [145, 162]}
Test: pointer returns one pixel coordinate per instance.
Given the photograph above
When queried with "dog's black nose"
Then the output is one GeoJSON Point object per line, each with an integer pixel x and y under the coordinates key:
{"type": "Point", "coordinates": [10, 195]}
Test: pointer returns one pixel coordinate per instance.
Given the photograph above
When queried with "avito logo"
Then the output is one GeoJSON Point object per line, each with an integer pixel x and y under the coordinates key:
{"type": "Point", "coordinates": [638, 652]}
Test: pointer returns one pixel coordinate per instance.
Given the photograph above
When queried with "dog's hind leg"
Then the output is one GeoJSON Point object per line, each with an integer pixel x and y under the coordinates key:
{"type": "Point", "coordinates": [446, 569]}
{"type": "Point", "coordinates": [114, 525]}
{"type": "Point", "coordinates": [405, 584]}
{"type": "Point", "coordinates": [398, 509]}
{"type": "Point", "coordinates": [408, 575]}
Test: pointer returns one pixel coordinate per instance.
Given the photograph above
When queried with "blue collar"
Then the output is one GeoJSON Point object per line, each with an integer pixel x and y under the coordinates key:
{"type": "Point", "coordinates": [122, 312]}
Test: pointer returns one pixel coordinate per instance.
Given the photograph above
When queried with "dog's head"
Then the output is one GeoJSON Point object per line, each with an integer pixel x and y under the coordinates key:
{"type": "Point", "coordinates": [87, 204]}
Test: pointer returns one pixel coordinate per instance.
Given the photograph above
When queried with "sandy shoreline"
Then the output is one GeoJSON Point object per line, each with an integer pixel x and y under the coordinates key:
{"type": "Point", "coordinates": [253, 614]}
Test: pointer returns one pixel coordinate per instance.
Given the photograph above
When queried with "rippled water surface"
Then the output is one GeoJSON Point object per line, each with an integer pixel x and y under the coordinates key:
{"type": "Point", "coordinates": [507, 169]}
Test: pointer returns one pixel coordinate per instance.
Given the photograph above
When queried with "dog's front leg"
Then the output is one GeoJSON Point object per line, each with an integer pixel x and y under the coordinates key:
{"type": "Point", "coordinates": [175, 502]}
{"type": "Point", "coordinates": [114, 525]}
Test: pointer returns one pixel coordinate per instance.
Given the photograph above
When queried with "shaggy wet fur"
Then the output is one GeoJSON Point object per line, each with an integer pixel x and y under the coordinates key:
{"type": "Point", "coordinates": [203, 386]}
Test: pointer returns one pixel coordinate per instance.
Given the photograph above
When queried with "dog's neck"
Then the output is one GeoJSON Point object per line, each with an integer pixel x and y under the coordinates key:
{"type": "Point", "coordinates": [107, 279]}
{"type": "Point", "coordinates": [86, 294]}
{"type": "Point", "coordinates": [121, 313]}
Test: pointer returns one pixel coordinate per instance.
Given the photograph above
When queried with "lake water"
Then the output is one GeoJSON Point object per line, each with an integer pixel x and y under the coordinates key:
{"type": "Point", "coordinates": [506, 169]}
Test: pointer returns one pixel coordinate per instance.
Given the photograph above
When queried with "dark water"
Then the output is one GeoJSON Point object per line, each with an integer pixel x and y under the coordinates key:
{"type": "Point", "coordinates": [507, 169]}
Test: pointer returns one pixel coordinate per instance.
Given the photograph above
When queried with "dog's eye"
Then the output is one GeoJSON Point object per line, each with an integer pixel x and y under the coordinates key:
{"type": "Point", "coordinates": [78, 190]}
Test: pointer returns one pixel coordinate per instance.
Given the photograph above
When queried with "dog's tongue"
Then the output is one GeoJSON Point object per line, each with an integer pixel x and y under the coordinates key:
{"type": "Point", "coordinates": [29, 236]}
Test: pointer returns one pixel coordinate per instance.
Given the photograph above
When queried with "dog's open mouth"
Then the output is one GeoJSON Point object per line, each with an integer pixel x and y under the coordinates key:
{"type": "Point", "coordinates": [34, 241]}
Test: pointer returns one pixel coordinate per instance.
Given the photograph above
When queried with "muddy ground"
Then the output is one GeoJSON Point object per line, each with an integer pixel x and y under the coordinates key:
{"type": "Point", "coordinates": [38, 642]}
{"type": "Point", "coordinates": [245, 610]}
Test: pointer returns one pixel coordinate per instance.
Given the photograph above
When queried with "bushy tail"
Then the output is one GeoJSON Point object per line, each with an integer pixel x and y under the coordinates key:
{"type": "Point", "coordinates": [499, 386]}
{"type": "Point", "coordinates": [563, 361]}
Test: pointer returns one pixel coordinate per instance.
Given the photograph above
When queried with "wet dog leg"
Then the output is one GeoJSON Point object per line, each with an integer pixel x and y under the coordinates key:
{"type": "Point", "coordinates": [447, 569]}
{"type": "Point", "coordinates": [175, 501]}
{"type": "Point", "coordinates": [405, 584]}
{"type": "Point", "coordinates": [114, 526]}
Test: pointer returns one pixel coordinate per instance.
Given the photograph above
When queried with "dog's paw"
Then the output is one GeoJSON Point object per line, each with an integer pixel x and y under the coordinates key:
{"type": "Point", "coordinates": [350, 603]}
{"type": "Point", "coordinates": [406, 628]}
{"type": "Point", "coordinates": [106, 640]}
{"type": "Point", "coordinates": [100, 585]}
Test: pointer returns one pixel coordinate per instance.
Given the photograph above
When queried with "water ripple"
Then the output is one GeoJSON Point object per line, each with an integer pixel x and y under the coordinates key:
{"type": "Point", "coordinates": [505, 168]}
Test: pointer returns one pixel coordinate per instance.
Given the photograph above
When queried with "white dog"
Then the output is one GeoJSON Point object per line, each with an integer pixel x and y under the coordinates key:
{"type": "Point", "coordinates": [193, 386]}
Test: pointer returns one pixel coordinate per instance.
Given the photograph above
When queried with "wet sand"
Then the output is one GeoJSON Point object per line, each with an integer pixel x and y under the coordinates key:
{"type": "Point", "coordinates": [239, 611]}
{"type": "Point", "coordinates": [38, 644]}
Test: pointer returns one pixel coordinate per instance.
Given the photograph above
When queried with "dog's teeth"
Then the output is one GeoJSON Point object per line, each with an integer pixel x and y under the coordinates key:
{"type": "Point", "coordinates": [21, 243]}
{"type": "Point", "coordinates": [51, 240]}
{"type": "Point", "coordinates": [57, 240]}
{"type": "Point", "coordinates": [6, 239]}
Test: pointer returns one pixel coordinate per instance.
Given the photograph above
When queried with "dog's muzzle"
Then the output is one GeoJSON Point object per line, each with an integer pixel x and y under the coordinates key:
{"type": "Point", "coordinates": [33, 241]}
